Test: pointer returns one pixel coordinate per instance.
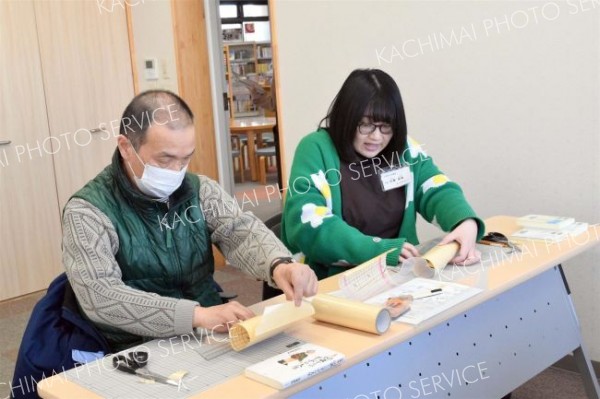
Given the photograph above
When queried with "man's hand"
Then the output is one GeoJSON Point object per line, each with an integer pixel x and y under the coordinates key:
{"type": "Point", "coordinates": [296, 280]}
{"type": "Point", "coordinates": [219, 318]}
{"type": "Point", "coordinates": [465, 235]}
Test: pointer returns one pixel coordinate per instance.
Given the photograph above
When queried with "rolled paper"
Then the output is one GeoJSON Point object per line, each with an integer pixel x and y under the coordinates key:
{"type": "Point", "coordinates": [275, 319]}
{"type": "Point", "coordinates": [440, 255]}
{"type": "Point", "coordinates": [434, 260]}
{"type": "Point", "coordinates": [353, 314]}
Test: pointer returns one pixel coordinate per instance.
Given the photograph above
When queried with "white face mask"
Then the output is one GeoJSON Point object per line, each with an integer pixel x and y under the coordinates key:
{"type": "Point", "coordinates": [158, 182]}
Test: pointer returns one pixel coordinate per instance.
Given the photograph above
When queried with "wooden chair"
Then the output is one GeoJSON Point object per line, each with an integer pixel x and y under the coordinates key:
{"type": "Point", "coordinates": [237, 153]}
{"type": "Point", "coordinates": [262, 155]}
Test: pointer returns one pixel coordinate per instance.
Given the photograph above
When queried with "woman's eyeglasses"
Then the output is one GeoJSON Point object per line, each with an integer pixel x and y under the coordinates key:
{"type": "Point", "coordinates": [499, 240]}
{"type": "Point", "coordinates": [368, 128]}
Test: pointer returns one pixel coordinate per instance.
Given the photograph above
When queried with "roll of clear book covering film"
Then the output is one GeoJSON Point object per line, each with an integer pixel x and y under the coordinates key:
{"type": "Point", "coordinates": [374, 319]}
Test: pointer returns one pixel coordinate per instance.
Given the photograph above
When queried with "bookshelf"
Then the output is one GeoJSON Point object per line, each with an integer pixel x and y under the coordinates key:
{"type": "Point", "coordinates": [246, 61]}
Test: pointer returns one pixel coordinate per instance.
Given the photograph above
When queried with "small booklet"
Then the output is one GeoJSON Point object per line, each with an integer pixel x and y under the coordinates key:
{"type": "Point", "coordinates": [293, 366]}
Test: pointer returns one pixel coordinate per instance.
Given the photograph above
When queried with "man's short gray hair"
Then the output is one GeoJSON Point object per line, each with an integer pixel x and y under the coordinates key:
{"type": "Point", "coordinates": [154, 107]}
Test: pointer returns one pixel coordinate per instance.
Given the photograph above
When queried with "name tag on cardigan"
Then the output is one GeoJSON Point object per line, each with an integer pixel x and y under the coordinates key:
{"type": "Point", "coordinates": [394, 178]}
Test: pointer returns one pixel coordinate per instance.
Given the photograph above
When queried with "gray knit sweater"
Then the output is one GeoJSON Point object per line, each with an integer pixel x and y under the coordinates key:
{"type": "Point", "coordinates": [90, 243]}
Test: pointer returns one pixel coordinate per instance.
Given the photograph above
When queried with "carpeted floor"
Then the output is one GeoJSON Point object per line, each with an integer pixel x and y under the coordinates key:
{"type": "Point", "coordinates": [263, 201]}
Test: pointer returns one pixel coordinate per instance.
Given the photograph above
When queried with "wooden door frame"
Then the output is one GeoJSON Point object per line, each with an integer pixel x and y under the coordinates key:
{"type": "Point", "coordinates": [277, 88]}
{"type": "Point", "coordinates": [219, 90]}
{"type": "Point", "coordinates": [132, 54]}
{"type": "Point", "coordinates": [194, 80]}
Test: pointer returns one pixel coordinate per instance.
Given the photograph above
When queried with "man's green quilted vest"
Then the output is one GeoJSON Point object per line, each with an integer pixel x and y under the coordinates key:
{"type": "Point", "coordinates": [165, 250]}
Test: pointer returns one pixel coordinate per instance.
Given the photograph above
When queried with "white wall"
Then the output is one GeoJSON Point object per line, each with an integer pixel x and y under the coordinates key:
{"type": "Point", "coordinates": [510, 109]}
{"type": "Point", "coordinates": [153, 37]}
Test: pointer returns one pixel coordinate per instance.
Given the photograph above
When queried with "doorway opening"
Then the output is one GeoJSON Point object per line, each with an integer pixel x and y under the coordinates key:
{"type": "Point", "coordinates": [250, 105]}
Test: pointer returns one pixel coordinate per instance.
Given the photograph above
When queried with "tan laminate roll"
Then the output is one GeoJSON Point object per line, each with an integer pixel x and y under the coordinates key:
{"type": "Point", "coordinates": [439, 256]}
{"type": "Point", "coordinates": [348, 313]}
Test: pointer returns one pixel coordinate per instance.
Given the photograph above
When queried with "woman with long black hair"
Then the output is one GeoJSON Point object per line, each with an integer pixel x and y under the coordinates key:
{"type": "Point", "coordinates": [358, 182]}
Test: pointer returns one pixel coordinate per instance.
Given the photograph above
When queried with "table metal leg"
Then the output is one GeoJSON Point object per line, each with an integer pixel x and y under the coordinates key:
{"type": "Point", "coordinates": [590, 381]}
{"type": "Point", "coordinates": [587, 372]}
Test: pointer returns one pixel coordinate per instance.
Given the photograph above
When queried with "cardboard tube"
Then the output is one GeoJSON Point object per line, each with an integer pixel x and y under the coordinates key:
{"type": "Point", "coordinates": [270, 323]}
{"type": "Point", "coordinates": [348, 313]}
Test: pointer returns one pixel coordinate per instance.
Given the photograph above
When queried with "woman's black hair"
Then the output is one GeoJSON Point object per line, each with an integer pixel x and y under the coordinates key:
{"type": "Point", "coordinates": [371, 93]}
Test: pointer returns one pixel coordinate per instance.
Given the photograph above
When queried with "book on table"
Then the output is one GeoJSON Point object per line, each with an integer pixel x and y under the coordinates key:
{"type": "Point", "coordinates": [550, 235]}
{"type": "Point", "coordinates": [545, 222]}
{"type": "Point", "coordinates": [294, 366]}
{"type": "Point", "coordinates": [550, 229]}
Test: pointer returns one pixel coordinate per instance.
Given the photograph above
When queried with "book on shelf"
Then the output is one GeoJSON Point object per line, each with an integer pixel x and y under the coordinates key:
{"type": "Point", "coordinates": [262, 68]}
{"type": "Point", "coordinates": [264, 52]}
{"type": "Point", "coordinates": [294, 366]}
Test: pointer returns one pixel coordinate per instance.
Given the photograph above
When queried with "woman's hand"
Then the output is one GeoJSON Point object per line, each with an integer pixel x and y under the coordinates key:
{"type": "Point", "coordinates": [408, 251]}
{"type": "Point", "coordinates": [465, 234]}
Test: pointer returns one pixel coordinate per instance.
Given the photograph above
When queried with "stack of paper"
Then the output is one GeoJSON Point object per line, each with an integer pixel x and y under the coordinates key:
{"type": "Point", "coordinates": [543, 222]}
{"type": "Point", "coordinates": [548, 228]}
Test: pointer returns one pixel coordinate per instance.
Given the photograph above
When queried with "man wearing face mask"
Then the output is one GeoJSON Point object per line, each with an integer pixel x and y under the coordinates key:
{"type": "Point", "coordinates": [136, 276]}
